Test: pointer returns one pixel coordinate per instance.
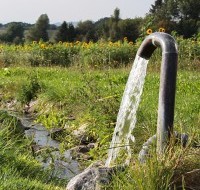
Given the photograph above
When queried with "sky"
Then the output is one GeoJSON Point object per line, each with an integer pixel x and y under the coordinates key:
{"type": "Point", "coordinates": [70, 10]}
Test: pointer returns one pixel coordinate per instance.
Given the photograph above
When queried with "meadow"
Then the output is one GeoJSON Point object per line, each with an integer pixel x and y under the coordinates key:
{"type": "Point", "coordinates": [85, 81]}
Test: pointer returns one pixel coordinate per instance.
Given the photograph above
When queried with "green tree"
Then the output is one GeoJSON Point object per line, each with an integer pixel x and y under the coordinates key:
{"type": "Point", "coordinates": [62, 33]}
{"type": "Point", "coordinates": [159, 17]}
{"type": "Point", "coordinates": [71, 33]}
{"type": "Point", "coordinates": [39, 30]}
{"type": "Point", "coordinates": [157, 5]}
{"type": "Point", "coordinates": [180, 15]}
{"type": "Point", "coordinates": [14, 33]}
{"type": "Point", "coordinates": [85, 31]}
{"type": "Point", "coordinates": [188, 16]}
{"type": "Point", "coordinates": [66, 33]}
{"type": "Point", "coordinates": [116, 15]}
{"type": "Point", "coordinates": [114, 30]}
{"type": "Point", "coordinates": [102, 28]}
{"type": "Point", "coordinates": [130, 28]}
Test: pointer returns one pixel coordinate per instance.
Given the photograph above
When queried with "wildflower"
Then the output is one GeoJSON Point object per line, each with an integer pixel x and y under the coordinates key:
{"type": "Point", "coordinates": [110, 43]}
{"type": "Point", "coordinates": [149, 31]}
{"type": "Point", "coordinates": [84, 45]}
{"type": "Point", "coordinates": [34, 42]}
{"type": "Point", "coordinates": [117, 44]}
{"type": "Point", "coordinates": [77, 42]}
{"type": "Point", "coordinates": [42, 46]}
{"type": "Point", "coordinates": [161, 30]}
{"type": "Point", "coordinates": [130, 43]}
{"type": "Point", "coordinates": [125, 39]}
{"type": "Point", "coordinates": [66, 44]}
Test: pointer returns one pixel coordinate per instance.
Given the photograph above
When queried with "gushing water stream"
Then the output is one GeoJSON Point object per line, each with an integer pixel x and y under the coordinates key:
{"type": "Point", "coordinates": [126, 118]}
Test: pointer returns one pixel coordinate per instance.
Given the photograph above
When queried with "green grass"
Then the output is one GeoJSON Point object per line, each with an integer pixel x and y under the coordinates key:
{"type": "Point", "coordinates": [93, 97]}
{"type": "Point", "coordinates": [19, 169]}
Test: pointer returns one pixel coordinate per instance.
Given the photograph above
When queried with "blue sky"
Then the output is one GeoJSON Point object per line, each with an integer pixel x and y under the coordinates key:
{"type": "Point", "coordinates": [70, 10]}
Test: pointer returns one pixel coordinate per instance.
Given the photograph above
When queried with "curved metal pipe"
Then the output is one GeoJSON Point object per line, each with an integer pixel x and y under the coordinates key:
{"type": "Point", "coordinates": [167, 82]}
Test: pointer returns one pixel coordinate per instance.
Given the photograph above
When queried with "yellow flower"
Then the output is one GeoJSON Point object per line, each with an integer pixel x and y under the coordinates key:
{"type": "Point", "coordinates": [149, 31]}
{"type": "Point", "coordinates": [85, 45]}
{"type": "Point", "coordinates": [161, 30]}
{"type": "Point", "coordinates": [110, 43]}
{"type": "Point", "coordinates": [42, 46]}
{"type": "Point", "coordinates": [34, 42]}
{"type": "Point", "coordinates": [125, 39]}
{"type": "Point", "coordinates": [66, 44]}
{"type": "Point", "coordinates": [77, 42]}
{"type": "Point", "coordinates": [130, 43]}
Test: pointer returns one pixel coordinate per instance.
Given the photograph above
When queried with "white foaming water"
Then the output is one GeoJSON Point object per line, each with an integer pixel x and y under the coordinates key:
{"type": "Point", "coordinates": [126, 118]}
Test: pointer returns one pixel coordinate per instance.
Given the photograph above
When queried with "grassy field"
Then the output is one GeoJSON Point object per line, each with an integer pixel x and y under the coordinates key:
{"type": "Point", "coordinates": [91, 95]}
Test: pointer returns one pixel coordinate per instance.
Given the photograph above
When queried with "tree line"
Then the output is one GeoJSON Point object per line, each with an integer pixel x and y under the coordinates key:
{"type": "Point", "coordinates": [181, 16]}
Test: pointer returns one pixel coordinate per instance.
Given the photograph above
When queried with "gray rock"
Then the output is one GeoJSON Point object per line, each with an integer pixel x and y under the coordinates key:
{"type": "Point", "coordinates": [85, 180]}
{"type": "Point", "coordinates": [92, 178]}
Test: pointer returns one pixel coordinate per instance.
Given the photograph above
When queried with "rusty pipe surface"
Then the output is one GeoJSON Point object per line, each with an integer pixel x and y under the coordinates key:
{"type": "Point", "coordinates": [167, 83]}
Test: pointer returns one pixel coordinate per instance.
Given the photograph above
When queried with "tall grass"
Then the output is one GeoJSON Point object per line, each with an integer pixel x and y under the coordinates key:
{"type": "Point", "coordinates": [178, 168]}
{"type": "Point", "coordinates": [19, 169]}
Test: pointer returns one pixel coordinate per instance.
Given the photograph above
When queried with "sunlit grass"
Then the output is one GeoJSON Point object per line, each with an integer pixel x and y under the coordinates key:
{"type": "Point", "coordinates": [19, 169]}
{"type": "Point", "coordinates": [80, 95]}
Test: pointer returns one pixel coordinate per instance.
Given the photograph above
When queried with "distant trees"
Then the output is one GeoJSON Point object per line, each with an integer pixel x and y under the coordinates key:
{"type": "Point", "coordinates": [39, 30]}
{"type": "Point", "coordinates": [157, 5]}
{"type": "Point", "coordinates": [130, 28]}
{"type": "Point", "coordinates": [65, 33]}
{"type": "Point", "coordinates": [101, 28]}
{"type": "Point", "coordinates": [62, 33]}
{"type": "Point", "coordinates": [71, 32]}
{"type": "Point", "coordinates": [187, 12]}
{"type": "Point", "coordinates": [111, 28]}
{"type": "Point", "coordinates": [85, 31]}
{"type": "Point", "coordinates": [14, 33]}
{"type": "Point", "coordinates": [182, 16]}
{"type": "Point", "coordinates": [114, 30]}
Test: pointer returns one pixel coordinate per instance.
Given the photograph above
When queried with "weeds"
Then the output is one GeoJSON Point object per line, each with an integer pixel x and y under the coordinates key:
{"type": "Point", "coordinates": [30, 89]}
{"type": "Point", "coordinates": [19, 170]}
{"type": "Point", "coordinates": [176, 169]}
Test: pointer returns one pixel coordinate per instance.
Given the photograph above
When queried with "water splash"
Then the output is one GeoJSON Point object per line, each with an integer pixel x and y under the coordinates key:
{"type": "Point", "coordinates": [126, 118]}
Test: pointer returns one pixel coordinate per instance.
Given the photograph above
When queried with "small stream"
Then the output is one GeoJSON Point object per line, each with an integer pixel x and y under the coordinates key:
{"type": "Point", "coordinates": [62, 164]}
